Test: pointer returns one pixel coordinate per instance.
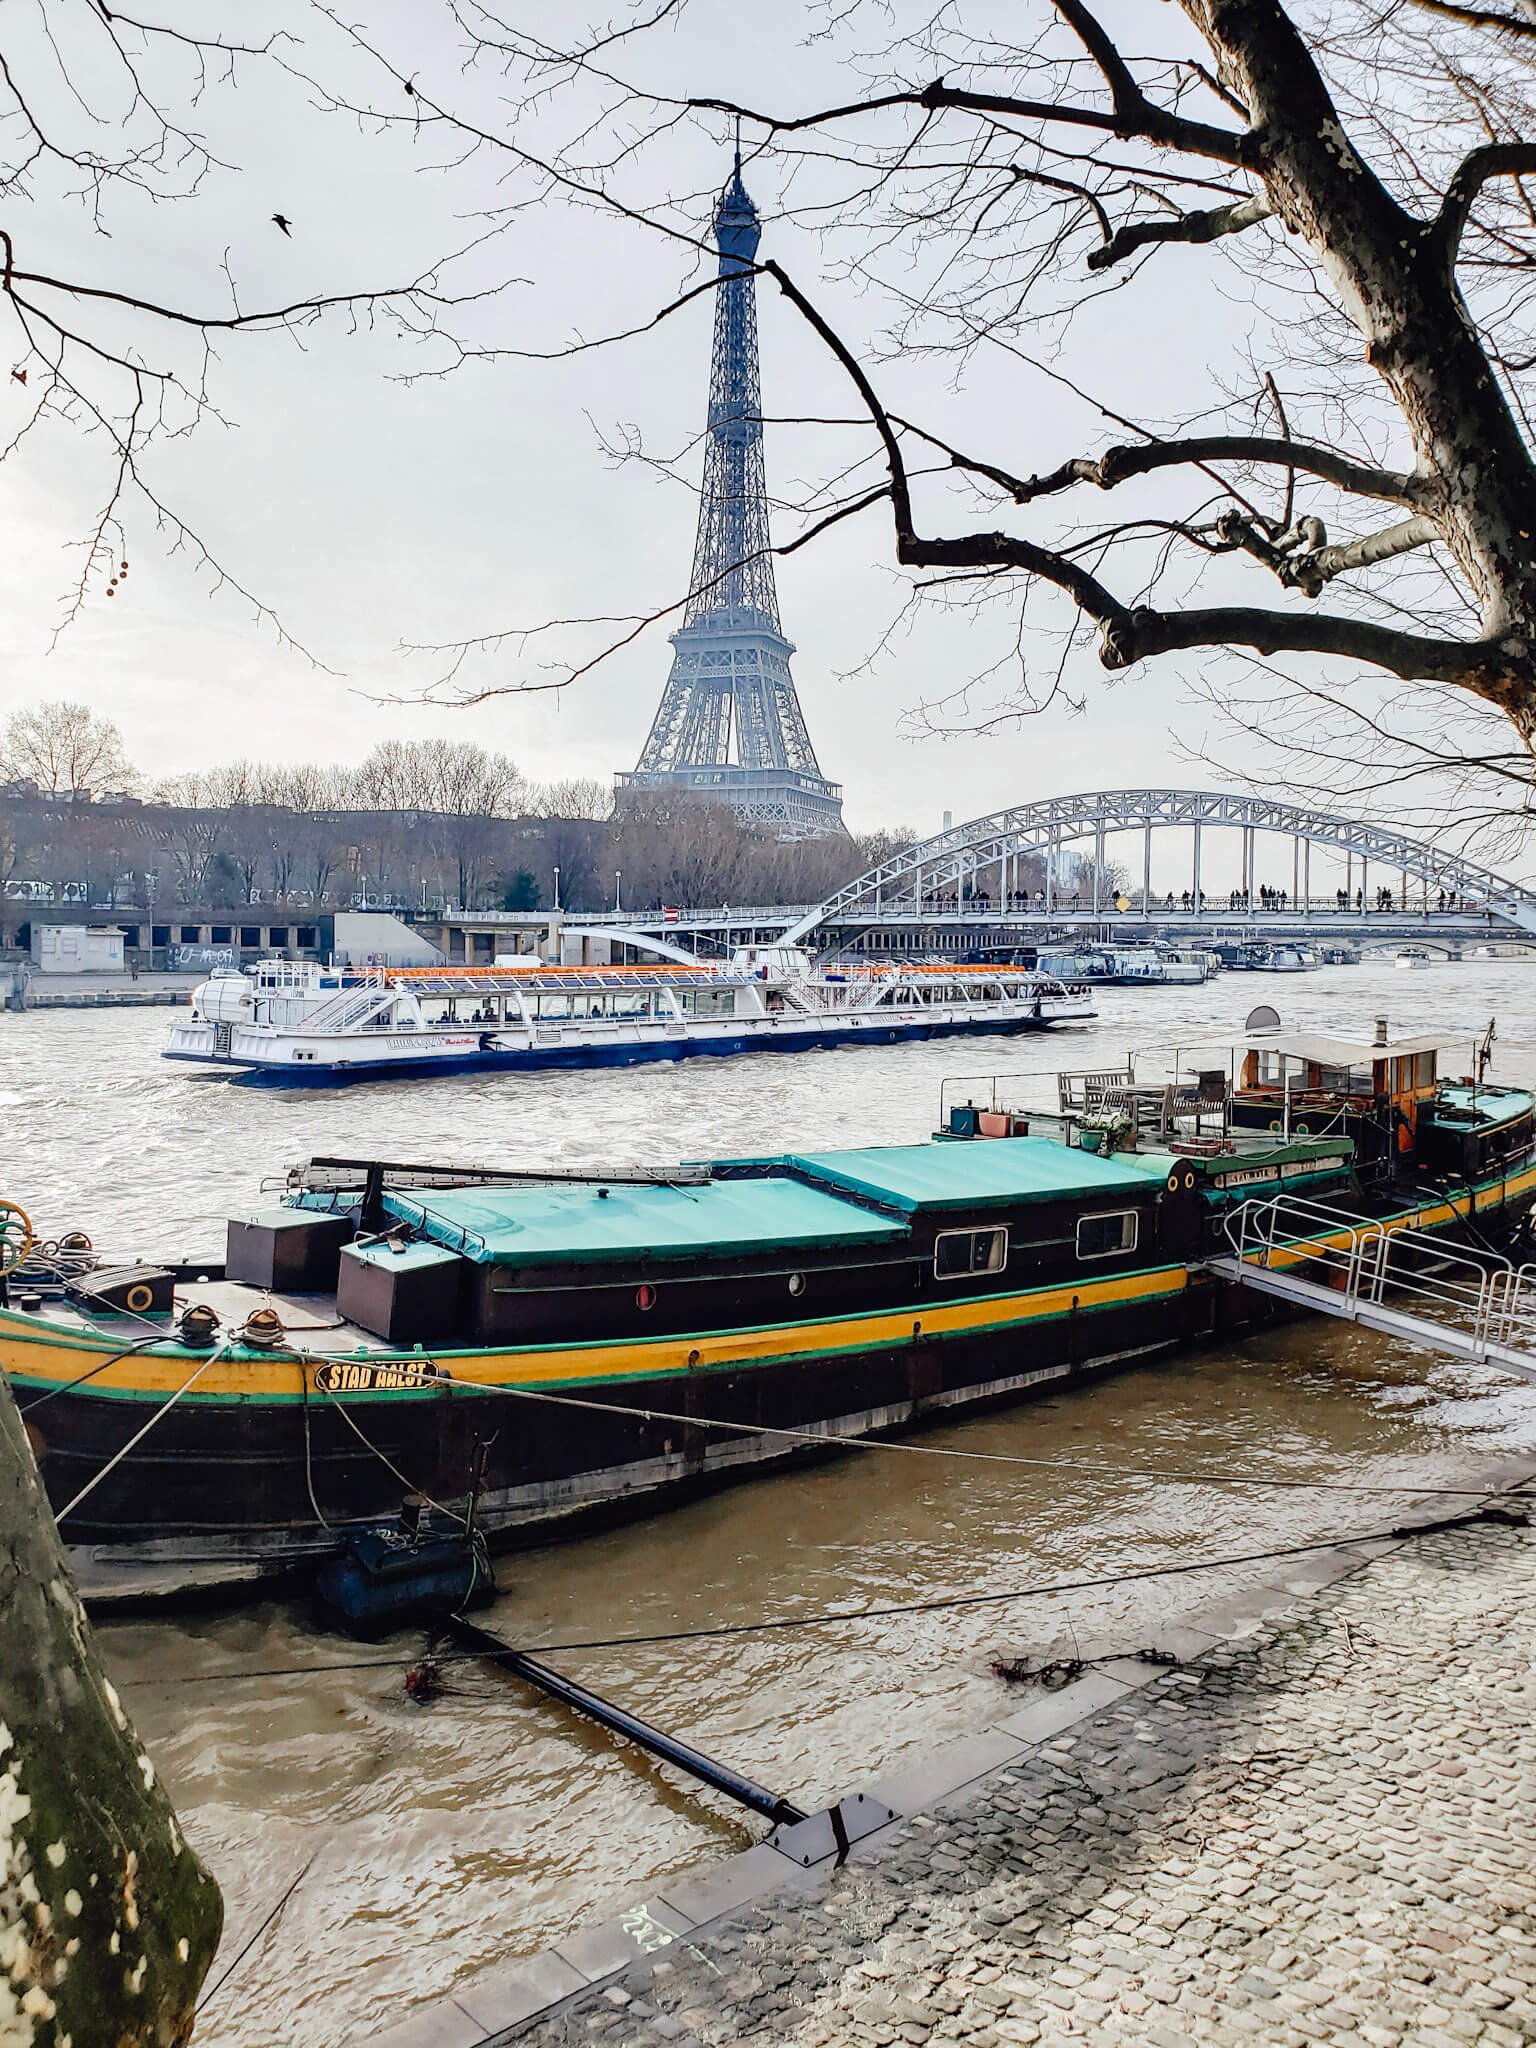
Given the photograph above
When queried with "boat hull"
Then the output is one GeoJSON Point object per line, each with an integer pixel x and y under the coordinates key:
{"type": "Point", "coordinates": [227, 1489]}
{"type": "Point", "coordinates": [327, 1063]}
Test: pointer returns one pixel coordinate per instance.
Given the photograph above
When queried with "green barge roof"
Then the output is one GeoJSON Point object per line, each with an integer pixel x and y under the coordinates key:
{"type": "Point", "coordinates": [566, 1225]}
{"type": "Point", "coordinates": [1495, 1105]}
{"type": "Point", "coordinates": [979, 1173]}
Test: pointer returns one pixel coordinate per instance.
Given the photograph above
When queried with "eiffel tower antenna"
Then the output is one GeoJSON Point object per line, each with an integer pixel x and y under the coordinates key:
{"type": "Point", "coordinates": [729, 727]}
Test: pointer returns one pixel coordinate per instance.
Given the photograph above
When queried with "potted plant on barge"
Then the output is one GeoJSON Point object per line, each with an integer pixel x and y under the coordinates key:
{"type": "Point", "coordinates": [1106, 1130]}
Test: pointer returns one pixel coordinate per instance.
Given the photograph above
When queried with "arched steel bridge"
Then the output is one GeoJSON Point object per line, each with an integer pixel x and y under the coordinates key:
{"type": "Point", "coordinates": [970, 885]}
{"type": "Point", "coordinates": [979, 859]}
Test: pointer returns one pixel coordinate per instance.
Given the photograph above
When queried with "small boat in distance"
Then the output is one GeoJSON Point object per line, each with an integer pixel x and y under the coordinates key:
{"type": "Point", "coordinates": [298, 1021]}
{"type": "Point", "coordinates": [1414, 956]}
{"type": "Point", "coordinates": [1127, 966]}
{"type": "Point", "coordinates": [1279, 959]}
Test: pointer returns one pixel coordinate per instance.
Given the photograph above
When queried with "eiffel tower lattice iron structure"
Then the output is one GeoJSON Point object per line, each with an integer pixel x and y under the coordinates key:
{"type": "Point", "coordinates": [729, 726]}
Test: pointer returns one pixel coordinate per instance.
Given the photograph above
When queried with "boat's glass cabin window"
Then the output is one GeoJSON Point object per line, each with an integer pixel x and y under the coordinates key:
{"type": "Point", "coordinates": [1100, 1237]}
{"type": "Point", "coordinates": [1415, 1070]}
{"type": "Point", "coordinates": [959, 1252]}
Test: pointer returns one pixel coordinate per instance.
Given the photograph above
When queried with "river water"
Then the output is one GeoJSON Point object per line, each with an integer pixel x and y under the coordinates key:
{"type": "Point", "coordinates": [435, 1840]}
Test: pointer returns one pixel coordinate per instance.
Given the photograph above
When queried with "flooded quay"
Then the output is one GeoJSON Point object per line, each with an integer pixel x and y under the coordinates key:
{"type": "Point", "coordinates": [429, 1842]}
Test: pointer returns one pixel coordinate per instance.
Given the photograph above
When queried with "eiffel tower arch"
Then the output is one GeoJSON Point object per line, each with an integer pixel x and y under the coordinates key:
{"type": "Point", "coordinates": [729, 727]}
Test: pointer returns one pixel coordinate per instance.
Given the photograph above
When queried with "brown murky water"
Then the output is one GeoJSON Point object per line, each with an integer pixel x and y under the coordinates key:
{"type": "Point", "coordinates": [434, 1841]}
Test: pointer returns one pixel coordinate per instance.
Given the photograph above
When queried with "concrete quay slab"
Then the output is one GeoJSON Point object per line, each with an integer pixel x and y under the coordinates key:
{"type": "Point", "coordinates": [640, 1930]}
{"type": "Point", "coordinates": [724, 1887]}
{"type": "Point", "coordinates": [1055, 1711]}
{"type": "Point", "coordinates": [443, 2023]}
{"type": "Point", "coordinates": [498, 1999]}
{"type": "Point", "coordinates": [917, 1787]}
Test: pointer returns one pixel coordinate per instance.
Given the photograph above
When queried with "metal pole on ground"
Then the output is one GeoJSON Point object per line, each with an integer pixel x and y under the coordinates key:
{"type": "Point", "coordinates": [720, 1777]}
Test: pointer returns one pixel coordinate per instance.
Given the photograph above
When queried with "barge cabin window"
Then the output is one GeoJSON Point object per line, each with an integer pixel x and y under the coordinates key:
{"type": "Point", "coordinates": [957, 1253]}
{"type": "Point", "coordinates": [1101, 1237]}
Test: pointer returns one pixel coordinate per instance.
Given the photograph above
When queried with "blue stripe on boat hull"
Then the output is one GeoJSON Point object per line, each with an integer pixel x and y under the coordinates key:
{"type": "Point", "coordinates": [312, 1074]}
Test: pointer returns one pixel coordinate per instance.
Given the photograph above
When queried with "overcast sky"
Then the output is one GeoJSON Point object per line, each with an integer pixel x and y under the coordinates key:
{"type": "Point", "coordinates": [371, 511]}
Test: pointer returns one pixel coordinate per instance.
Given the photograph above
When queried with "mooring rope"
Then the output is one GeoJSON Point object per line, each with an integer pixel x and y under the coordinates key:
{"type": "Point", "coordinates": [865, 1443]}
{"type": "Point", "coordinates": [138, 1436]}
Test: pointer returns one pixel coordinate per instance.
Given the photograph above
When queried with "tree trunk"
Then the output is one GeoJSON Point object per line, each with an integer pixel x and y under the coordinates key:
{"type": "Point", "coordinates": [108, 1922]}
{"type": "Point", "coordinates": [1396, 282]}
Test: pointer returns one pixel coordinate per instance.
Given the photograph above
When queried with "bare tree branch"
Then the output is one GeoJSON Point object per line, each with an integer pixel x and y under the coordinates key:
{"type": "Point", "coordinates": [1139, 120]}
{"type": "Point", "coordinates": [1493, 160]}
{"type": "Point", "coordinates": [1207, 225]}
{"type": "Point", "coordinates": [1302, 559]}
{"type": "Point", "coordinates": [1117, 465]}
{"type": "Point", "coordinates": [1481, 17]}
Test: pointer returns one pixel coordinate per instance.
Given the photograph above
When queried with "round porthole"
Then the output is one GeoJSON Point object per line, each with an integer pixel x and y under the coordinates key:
{"type": "Point", "coordinates": [140, 1298]}
{"type": "Point", "coordinates": [645, 1295]}
{"type": "Point", "coordinates": [797, 1283]}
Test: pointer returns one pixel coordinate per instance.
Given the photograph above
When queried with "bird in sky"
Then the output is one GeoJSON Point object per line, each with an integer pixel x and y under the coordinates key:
{"type": "Point", "coordinates": [282, 221]}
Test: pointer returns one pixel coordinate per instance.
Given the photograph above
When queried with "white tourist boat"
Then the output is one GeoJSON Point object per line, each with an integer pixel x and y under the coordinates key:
{"type": "Point", "coordinates": [300, 1021]}
{"type": "Point", "coordinates": [1415, 957]}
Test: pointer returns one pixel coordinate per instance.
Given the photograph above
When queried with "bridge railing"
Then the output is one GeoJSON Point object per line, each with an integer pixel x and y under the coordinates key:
{"type": "Point", "coordinates": [718, 913]}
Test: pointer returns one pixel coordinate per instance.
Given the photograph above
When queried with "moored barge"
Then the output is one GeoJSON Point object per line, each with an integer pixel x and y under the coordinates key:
{"type": "Point", "coordinates": [584, 1344]}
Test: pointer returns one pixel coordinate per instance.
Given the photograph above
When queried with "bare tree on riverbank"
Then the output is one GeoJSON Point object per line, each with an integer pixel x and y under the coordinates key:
{"type": "Point", "coordinates": [417, 822]}
{"type": "Point", "coordinates": [66, 750]}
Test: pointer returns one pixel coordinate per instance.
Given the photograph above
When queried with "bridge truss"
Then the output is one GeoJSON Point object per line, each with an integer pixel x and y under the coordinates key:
{"type": "Point", "coordinates": [981, 856]}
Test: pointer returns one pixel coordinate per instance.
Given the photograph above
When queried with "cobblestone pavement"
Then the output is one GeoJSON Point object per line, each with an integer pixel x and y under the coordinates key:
{"type": "Point", "coordinates": [1323, 1833]}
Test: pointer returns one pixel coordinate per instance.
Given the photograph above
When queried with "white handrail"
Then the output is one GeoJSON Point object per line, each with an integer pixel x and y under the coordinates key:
{"type": "Point", "coordinates": [1373, 1257]}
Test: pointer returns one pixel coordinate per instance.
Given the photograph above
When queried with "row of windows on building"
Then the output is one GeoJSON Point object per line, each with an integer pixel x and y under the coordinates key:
{"type": "Point", "coordinates": [304, 937]}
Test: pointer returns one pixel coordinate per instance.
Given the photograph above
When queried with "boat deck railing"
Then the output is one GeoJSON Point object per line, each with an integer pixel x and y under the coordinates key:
{"type": "Point", "coordinates": [480, 981]}
{"type": "Point", "coordinates": [1168, 1108]}
{"type": "Point", "coordinates": [1482, 1295]}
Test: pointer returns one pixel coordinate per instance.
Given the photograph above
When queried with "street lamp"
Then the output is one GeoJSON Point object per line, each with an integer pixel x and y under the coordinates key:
{"type": "Point", "coordinates": [557, 888]}
{"type": "Point", "coordinates": [616, 904]}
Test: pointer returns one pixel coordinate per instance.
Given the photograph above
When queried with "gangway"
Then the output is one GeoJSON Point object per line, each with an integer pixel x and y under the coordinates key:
{"type": "Point", "coordinates": [1386, 1275]}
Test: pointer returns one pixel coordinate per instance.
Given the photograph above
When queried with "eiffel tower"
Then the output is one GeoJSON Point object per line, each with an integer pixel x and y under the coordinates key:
{"type": "Point", "coordinates": [729, 727]}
